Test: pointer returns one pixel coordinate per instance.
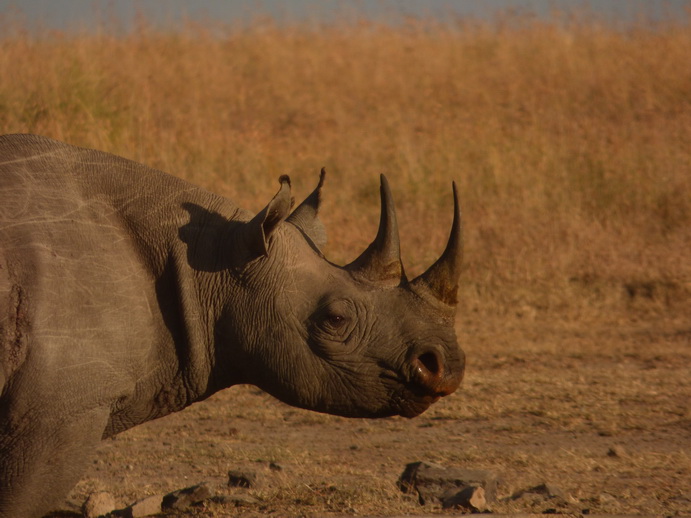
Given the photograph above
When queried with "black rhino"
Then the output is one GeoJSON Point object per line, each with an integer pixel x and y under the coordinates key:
{"type": "Point", "coordinates": [127, 294]}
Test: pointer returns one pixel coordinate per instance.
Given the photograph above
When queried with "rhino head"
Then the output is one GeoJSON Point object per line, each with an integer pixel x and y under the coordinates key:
{"type": "Point", "coordinates": [357, 341]}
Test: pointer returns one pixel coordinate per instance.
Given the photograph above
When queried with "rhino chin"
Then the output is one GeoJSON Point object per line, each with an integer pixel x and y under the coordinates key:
{"type": "Point", "coordinates": [417, 406]}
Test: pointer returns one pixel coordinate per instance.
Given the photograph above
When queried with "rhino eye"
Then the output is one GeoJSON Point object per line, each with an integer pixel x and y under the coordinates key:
{"type": "Point", "coordinates": [335, 321]}
{"type": "Point", "coordinates": [333, 327]}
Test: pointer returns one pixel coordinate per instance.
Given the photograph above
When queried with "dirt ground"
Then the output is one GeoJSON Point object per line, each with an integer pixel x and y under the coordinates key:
{"type": "Point", "coordinates": [600, 409]}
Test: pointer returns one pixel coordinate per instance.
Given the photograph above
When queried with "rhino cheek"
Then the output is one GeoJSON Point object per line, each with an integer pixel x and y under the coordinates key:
{"type": "Point", "coordinates": [318, 385]}
{"type": "Point", "coordinates": [362, 391]}
{"type": "Point", "coordinates": [291, 373]}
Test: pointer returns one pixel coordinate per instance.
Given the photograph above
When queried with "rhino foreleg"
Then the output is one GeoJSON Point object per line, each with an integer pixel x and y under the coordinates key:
{"type": "Point", "coordinates": [42, 458]}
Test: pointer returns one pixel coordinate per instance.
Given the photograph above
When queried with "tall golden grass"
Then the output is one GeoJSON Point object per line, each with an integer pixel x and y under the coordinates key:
{"type": "Point", "coordinates": [570, 140]}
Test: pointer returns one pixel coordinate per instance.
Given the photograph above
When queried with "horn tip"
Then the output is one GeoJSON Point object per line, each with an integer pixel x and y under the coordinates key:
{"type": "Point", "coordinates": [384, 186]}
{"type": "Point", "coordinates": [284, 178]}
{"type": "Point", "coordinates": [454, 188]}
{"type": "Point", "coordinates": [456, 198]}
{"type": "Point", "coordinates": [322, 175]}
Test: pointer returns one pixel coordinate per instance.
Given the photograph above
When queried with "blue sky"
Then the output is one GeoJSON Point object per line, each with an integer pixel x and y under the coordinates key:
{"type": "Point", "coordinates": [84, 14]}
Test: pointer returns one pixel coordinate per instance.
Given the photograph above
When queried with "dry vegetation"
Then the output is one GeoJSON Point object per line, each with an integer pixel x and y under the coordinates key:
{"type": "Point", "coordinates": [571, 142]}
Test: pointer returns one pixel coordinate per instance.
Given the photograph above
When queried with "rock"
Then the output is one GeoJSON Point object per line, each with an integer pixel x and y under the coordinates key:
{"type": "Point", "coordinates": [98, 504]}
{"type": "Point", "coordinates": [469, 498]}
{"type": "Point", "coordinates": [237, 478]}
{"type": "Point", "coordinates": [146, 507]}
{"type": "Point", "coordinates": [433, 483]}
{"type": "Point", "coordinates": [184, 498]}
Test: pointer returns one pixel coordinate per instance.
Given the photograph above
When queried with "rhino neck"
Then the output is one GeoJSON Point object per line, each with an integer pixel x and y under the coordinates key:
{"type": "Point", "coordinates": [189, 261]}
{"type": "Point", "coordinates": [177, 230]}
{"type": "Point", "coordinates": [186, 275]}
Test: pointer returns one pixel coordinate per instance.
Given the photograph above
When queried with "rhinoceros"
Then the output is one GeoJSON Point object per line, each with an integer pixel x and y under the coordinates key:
{"type": "Point", "coordinates": [127, 294]}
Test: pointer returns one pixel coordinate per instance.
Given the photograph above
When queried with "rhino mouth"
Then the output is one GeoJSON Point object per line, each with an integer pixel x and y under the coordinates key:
{"type": "Point", "coordinates": [410, 398]}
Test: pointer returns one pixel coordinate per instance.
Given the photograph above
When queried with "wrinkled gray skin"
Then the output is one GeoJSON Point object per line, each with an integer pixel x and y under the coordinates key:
{"type": "Point", "coordinates": [127, 294]}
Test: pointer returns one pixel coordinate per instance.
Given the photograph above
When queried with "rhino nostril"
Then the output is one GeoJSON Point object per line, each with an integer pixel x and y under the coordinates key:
{"type": "Point", "coordinates": [430, 363]}
{"type": "Point", "coordinates": [433, 375]}
{"type": "Point", "coordinates": [429, 370]}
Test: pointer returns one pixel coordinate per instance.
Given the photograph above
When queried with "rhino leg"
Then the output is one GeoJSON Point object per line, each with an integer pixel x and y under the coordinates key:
{"type": "Point", "coordinates": [41, 458]}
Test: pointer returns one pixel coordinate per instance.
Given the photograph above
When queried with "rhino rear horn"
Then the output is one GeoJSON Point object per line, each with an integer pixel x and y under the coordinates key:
{"type": "Point", "coordinates": [441, 279]}
{"type": "Point", "coordinates": [305, 217]}
{"type": "Point", "coordinates": [259, 229]}
{"type": "Point", "coordinates": [380, 263]}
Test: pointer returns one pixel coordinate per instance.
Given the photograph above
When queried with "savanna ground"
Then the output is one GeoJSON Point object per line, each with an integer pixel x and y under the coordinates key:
{"type": "Point", "coordinates": [571, 143]}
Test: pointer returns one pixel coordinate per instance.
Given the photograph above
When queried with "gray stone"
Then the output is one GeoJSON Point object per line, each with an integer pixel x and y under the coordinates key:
{"type": "Point", "coordinates": [432, 482]}
{"type": "Point", "coordinates": [184, 498]}
{"type": "Point", "coordinates": [469, 498]}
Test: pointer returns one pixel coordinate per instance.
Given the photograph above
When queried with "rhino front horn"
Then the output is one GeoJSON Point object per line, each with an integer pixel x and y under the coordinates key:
{"type": "Point", "coordinates": [380, 263]}
{"type": "Point", "coordinates": [441, 279]}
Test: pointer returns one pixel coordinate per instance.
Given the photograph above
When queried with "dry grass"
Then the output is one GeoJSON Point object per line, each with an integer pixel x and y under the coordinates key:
{"type": "Point", "coordinates": [570, 140]}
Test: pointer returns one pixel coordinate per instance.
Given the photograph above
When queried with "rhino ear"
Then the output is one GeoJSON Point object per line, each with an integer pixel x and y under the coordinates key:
{"type": "Point", "coordinates": [305, 217]}
{"type": "Point", "coordinates": [259, 229]}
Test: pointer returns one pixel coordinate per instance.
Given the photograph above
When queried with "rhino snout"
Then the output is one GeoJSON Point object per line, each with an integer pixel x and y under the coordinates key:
{"type": "Point", "coordinates": [433, 375]}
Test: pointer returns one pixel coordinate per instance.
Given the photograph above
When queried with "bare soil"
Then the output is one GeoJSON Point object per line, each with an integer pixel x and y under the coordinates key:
{"type": "Point", "coordinates": [600, 409]}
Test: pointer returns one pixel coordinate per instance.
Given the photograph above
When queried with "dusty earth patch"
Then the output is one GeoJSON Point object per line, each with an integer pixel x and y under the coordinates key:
{"type": "Point", "coordinates": [599, 409]}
